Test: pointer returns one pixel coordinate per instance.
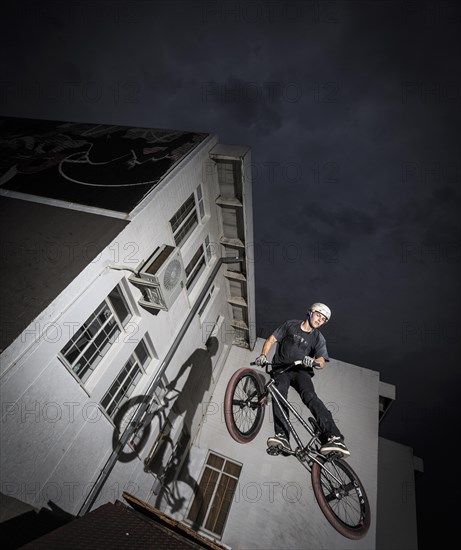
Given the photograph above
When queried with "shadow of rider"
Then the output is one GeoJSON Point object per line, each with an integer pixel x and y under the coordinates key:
{"type": "Point", "coordinates": [187, 403]}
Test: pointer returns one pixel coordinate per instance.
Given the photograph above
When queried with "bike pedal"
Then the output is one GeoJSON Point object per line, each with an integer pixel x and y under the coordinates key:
{"type": "Point", "coordinates": [273, 450]}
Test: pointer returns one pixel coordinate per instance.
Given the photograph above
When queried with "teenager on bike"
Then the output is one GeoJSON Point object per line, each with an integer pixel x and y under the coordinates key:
{"type": "Point", "coordinates": [301, 341]}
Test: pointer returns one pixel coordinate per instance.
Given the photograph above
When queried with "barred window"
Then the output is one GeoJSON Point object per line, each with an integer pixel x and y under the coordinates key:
{"type": "Point", "coordinates": [126, 381]}
{"type": "Point", "coordinates": [184, 221]}
{"type": "Point", "coordinates": [214, 494]}
{"type": "Point", "coordinates": [93, 339]}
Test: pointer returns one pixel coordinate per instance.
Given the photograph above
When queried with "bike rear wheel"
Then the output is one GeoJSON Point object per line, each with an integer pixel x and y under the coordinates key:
{"type": "Point", "coordinates": [343, 500]}
{"type": "Point", "coordinates": [243, 407]}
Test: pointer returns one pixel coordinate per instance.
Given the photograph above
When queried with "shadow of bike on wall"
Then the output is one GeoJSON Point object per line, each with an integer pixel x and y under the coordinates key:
{"type": "Point", "coordinates": [169, 458]}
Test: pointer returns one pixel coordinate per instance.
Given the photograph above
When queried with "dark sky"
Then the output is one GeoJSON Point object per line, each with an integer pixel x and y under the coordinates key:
{"type": "Point", "coordinates": [352, 110]}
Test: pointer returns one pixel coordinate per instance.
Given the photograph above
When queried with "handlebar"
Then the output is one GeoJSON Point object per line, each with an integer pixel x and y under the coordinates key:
{"type": "Point", "coordinates": [295, 363]}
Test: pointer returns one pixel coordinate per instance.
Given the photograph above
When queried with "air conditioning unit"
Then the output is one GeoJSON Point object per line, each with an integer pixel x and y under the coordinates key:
{"type": "Point", "coordinates": [161, 278]}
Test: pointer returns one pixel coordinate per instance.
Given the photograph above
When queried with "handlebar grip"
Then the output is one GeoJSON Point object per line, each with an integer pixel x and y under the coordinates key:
{"type": "Point", "coordinates": [254, 364]}
{"type": "Point", "coordinates": [314, 364]}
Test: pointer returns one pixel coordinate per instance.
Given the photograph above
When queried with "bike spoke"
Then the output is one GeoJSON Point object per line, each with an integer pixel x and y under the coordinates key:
{"type": "Point", "coordinates": [342, 498]}
{"type": "Point", "coordinates": [245, 405]}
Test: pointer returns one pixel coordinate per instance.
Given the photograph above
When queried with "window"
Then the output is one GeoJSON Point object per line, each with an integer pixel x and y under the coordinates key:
{"type": "Point", "coordinates": [200, 205]}
{"type": "Point", "coordinates": [206, 300]}
{"type": "Point", "coordinates": [187, 217]}
{"type": "Point", "coordinates": [126, 381]}
{"type": "Point", "coordinates": [184, 221]}
{"type": "Point", "coordinates": [213, 497]}
{"type": "Point", "coordinates": [93, 339]}
{"type": "Point", "coordinates": [195, 267]}
{"type": "Point", "coordinates": [208, 249]}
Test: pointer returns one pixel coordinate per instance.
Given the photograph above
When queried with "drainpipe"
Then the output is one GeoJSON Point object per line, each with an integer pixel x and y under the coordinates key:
{"type": "Point", "coordinates": [143, 407]}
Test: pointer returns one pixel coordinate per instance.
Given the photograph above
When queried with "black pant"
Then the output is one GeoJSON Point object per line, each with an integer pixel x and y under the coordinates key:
{"type": "Point", "coordinates": [301, 380]}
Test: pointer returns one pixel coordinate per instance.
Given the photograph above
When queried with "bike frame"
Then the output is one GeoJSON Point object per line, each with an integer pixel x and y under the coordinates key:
{"type": "Point", "coordinates": [278, 398]}
{"type": "Point", "coordinates": [337, 488]}
{"type": "Point", "coordinates": [311, 453]}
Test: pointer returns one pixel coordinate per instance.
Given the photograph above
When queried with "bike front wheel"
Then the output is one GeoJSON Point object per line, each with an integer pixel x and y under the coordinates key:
{"type": "Point", "coordinates": [243, 405]}
{"type": "Point", "coordinates": [341, 497]}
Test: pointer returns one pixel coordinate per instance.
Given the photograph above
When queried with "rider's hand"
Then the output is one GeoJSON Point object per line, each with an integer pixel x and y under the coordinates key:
{"type": "Point", "coordinates": [261, 361]}
{"type": "Point", "coordinates": [308, 361]}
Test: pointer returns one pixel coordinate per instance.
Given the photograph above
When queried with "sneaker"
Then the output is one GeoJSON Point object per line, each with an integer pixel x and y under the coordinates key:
{"type": "Point", "coordinates": [335, 444]}
{"type": "Point", "coordinates": [279, 440]}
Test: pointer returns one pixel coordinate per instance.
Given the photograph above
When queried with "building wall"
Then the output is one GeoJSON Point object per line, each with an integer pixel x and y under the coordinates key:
{"type": "Point", "coordinates": [55, 438]}
{"type": "Point", "coordinates": [274, 505]}
{"type": "Point", "coordinates": [396, 528]}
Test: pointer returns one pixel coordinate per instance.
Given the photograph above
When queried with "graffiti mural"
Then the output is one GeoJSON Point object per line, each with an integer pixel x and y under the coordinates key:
{"type": "Point", "coordinates": [110, 167]}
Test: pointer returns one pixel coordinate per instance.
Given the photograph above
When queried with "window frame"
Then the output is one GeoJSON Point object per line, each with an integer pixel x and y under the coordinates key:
{"type": "Point", "coordinates": [183, 219]}
{"type": "Point", "coordinates": [208, 249]}
{"type": "Point", "coordinates": [195, 214]}
{"type": "Point", "coordinates": [200, 201]}
{"type": "Point", "coordinates": [203, 524]}
{"type": "Point", "coordinates": [198, 267]}
{"type": "Point", "coordinates": [207, 299]}
{"type": "Point", "coordinates": [84, 332]}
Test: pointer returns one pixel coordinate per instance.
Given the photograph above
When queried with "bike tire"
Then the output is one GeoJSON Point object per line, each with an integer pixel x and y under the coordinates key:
{"type": "Point", "coordinates": [244, 418]}
{"type": "Point", "coordinates": [345, 506]}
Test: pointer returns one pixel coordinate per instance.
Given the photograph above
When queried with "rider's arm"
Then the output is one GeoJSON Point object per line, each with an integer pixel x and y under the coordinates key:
{"type": "Point", "coordinates": [268, 344]}
{"type": "Point", "coordinates": [320, 352]}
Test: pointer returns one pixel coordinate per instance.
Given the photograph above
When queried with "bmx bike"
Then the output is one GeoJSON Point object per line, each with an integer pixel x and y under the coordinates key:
{"type": "Point", "coordinates": [337, 488]}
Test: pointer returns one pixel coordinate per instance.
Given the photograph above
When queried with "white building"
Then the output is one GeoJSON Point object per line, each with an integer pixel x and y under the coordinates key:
{"type": "Point", "coordinates": [129, 298]}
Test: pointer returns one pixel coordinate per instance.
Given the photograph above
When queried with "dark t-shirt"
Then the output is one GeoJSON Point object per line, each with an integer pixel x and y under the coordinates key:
{"type": "Point", "coordinates": [293, 343]}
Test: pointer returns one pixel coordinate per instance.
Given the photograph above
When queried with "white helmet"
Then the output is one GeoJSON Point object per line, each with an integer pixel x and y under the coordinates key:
{"type": "Point", "coordinates": [321, 308]}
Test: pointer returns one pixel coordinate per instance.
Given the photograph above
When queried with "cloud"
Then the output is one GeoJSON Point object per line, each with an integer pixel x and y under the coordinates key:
{"type": "Point", "coordinates": [250, 104]}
